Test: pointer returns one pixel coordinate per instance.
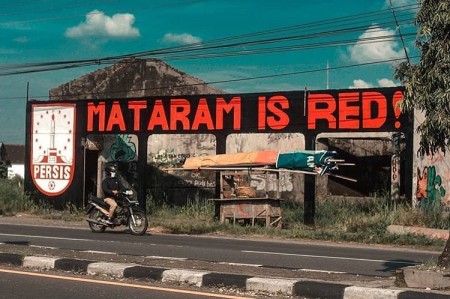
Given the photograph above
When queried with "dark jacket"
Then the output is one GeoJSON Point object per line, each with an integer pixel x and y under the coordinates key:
{"type": "Point", "coordinates": [109, 184]}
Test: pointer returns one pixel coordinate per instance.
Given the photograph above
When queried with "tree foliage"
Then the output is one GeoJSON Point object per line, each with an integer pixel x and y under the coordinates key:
{"type": "Point", "coordinates": [427, 83]}
{"type": "Point", "coordinates": [4, 169]}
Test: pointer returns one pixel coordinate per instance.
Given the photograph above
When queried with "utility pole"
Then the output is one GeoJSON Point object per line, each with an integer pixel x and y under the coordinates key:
{"type": "Point", "coordinates": [399, 31]}
{"type": "Point", "coordinates": [328, 75]}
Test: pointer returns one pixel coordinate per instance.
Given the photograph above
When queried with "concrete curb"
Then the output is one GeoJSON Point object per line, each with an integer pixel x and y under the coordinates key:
{"type": "Point", "coordinates": [429, 232]}
{"type": "Point", "coordinates": [289, 287]}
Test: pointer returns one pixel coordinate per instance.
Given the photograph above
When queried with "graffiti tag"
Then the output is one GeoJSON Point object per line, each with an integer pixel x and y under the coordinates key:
{"type": "Point", "coordinates": [429, 186]}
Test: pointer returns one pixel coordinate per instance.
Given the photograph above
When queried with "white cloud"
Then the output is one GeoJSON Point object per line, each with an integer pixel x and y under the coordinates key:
{"type": "Point", "coordinates": [98, 24]}
{"type": "Point", "coordinates": [386, 83]}
{"type": "Point", "coordinates": [184, 38]}
{"type": "Point", "coordinates": [21, 39]}
{"type": "Point", "coordinates": [358, 83]}
{"type": "Point", "coordinates": [367, 49]}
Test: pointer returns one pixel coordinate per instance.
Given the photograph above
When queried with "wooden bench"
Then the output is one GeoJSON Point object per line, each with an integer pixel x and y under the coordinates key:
{"type": "Point", "coordinates": [268, 209]}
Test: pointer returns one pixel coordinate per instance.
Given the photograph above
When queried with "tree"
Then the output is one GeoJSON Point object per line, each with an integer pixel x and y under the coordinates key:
{"type": "Point", "coordinates": [427, 83]}
{"type": "Point", "coordinates": [3, 170]}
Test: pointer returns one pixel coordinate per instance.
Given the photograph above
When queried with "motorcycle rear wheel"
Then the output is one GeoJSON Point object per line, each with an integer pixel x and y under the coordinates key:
{"type": "Point", "coordinates": [139, 226]}
{"type": "Point", "coordinates": [97, 216]}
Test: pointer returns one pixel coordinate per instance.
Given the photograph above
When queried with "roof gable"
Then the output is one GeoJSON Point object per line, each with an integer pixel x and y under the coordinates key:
{"type": "Point", "coordinates": [132, 78]}
{"type": "Point", "coordinates": [15, 153]}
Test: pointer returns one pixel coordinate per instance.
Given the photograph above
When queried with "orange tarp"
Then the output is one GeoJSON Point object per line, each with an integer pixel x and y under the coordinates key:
{"type": "Point", "coordinates": [258, 158]}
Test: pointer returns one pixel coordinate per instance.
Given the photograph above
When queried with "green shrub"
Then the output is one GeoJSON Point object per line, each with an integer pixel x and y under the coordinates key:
{"type": "Point", "coordinates": [13, 199]}
{"type": "Point", "coordinates": [362, 221]}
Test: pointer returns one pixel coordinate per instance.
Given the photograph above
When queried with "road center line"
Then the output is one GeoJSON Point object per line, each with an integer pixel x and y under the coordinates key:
{"type": "Point", "coordinates": [157, 257]}
{"type": "Point", "coordinates": [330, 257]}
{"type": "Point", "coordinates": [47, 237]}
{"type": "Point", "coordinates": [101, 252]}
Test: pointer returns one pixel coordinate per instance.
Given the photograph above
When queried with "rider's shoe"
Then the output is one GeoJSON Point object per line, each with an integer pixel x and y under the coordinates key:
{"type": "Point", "coordinates": [110, 221]}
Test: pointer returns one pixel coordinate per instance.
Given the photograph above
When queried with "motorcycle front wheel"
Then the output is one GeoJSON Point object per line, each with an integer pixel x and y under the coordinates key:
{"type": "Point", "coordinates": [97, 216]}
{"type": "Point", "coordinates": [138, 223]}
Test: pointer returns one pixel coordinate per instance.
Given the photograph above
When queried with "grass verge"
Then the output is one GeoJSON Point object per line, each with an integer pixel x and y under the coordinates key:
{"type": "Point", "coordinates": [335, 221]}
{"type": "Point", "coordinates": [338, 222]}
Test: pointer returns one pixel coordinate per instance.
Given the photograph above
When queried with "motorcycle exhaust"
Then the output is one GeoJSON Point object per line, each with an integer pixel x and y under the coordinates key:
{"type": "Point", "coordinates": [96, 222]}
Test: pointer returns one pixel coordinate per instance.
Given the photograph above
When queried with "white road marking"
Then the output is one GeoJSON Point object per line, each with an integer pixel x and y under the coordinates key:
{"type": "Point", "coordinates": [47, 237]}
{"type": "Point", "coordinates": [321, 271]}
{"type": "Point", "coordinates": [154, 244]}
{"type": "Point", "coordinates": [166, 258]}
{"type": "Point", "coordinates": [240, 264]}
{"type": "Point", "coordinates": [102, 252]}
{"type": "Point", "coordinates": [44, 247]}
{"type": "Point", "coordinates": [329, 257]}
{"type": "Point", "coordinates": [49, 226]}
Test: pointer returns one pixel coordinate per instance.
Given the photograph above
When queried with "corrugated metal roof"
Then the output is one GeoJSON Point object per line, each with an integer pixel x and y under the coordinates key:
{"type": "Point", "coordinates": [15, 153]}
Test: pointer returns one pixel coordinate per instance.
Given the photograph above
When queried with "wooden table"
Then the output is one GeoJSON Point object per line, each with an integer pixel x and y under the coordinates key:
{"type": "Point", "coordinates": [250, 209]}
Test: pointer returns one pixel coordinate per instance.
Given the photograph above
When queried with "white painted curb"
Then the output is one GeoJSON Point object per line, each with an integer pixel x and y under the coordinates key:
{"type": "Point", "coordinates": [41, 262]}
{"type": "Point", "coordinates": [195, 278]}
{"type": "Point", "coordinates": [113, 269]}
{"type": "Point", "coordinates": [184, 276]}
{"type": "Point", "coordinates": [284, 286]}
{"type": "Point", "coordinates": [429, 232]}
{"type": "Point", "coordinates": [370, 293]}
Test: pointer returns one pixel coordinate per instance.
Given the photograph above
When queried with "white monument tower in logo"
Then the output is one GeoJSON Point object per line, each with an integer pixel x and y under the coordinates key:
{"type": "Point", "coordinates": [53, 135]}
{"type": "Point", "coordinates": [52, 154]}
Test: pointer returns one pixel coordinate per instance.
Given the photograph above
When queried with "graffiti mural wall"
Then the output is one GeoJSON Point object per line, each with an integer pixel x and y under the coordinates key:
{"type": "Point", "coordinates": [431, 180]}
{"type": "Point", "coordinates": [159, 132]}
{"type": "Point", "coordinates": [290, 184]}
{"type": "Point", "coordinates": [123, 148]}
{"type": "Point", "coordinates": [169, 152]}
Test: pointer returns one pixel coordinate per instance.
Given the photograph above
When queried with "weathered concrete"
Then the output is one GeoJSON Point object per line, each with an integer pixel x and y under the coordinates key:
{"type": "Point", "coordinates": [184, 276]}
{"type": "Point", "coordinates": [40, 262]}
{"type": "Point", "coordinates": [429, 232]}
{"type": "Point", "coordinates": [112, 269]}
{"type": "Point", "coordinates": [272, 285]}
{"type": "Point", "coordinates": [276, 286]}
{"type": "Point", "coordinates": [370, 293]}
{"type": "Point", "coordinates": [426, 279]}
{"type": "Point", "coordinates": [132, 78]}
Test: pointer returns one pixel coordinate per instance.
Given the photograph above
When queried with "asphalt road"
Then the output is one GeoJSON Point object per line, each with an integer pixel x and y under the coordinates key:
{"type": "Point", "coordinates": [363, 260]}
{"type": "Point", "coordinates": [27, 284]}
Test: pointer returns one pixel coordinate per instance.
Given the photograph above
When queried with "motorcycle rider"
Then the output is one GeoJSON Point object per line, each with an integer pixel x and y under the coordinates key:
{"type": "Point", "coordinates": [111, 186]}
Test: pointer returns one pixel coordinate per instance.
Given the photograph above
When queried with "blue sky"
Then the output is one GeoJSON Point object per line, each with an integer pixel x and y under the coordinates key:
{"type": "Point", "coordinates": [341, 33]}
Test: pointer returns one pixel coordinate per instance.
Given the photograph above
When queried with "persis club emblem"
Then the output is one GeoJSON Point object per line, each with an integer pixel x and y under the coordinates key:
{"type": "Point", "coordinates": [52, 152]}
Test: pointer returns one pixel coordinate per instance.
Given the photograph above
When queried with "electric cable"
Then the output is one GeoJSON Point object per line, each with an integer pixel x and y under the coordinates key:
{"type": "Point", "coordinates": [215, 44]}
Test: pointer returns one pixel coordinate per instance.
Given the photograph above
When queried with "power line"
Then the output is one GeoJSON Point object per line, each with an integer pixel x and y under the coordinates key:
{"type": "Point", "coordinates": [218, 43]}
{"type": "Point", "coordinates": [399, 31]}
{"type": "Point", "coordinates": [206, 49]}
{"type": "Point", "coordinates": [313, 46]}
{"type": "Point", "coordinates": [61, 65]}
{"type": "Point", "coordinates": [201, 46]}
{"type": "Point", "coordinates": [225, 81]}
{"type": "Point", "coordinates": [165, 53]}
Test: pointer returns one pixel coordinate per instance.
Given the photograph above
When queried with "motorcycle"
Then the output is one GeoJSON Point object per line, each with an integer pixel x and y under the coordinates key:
{"type": "Point", "coordinates": [128, 213]}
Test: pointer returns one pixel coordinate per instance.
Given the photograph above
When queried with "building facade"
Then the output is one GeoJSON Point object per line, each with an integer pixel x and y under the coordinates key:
{"type": "Point", "coordinates": [69, 140]}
